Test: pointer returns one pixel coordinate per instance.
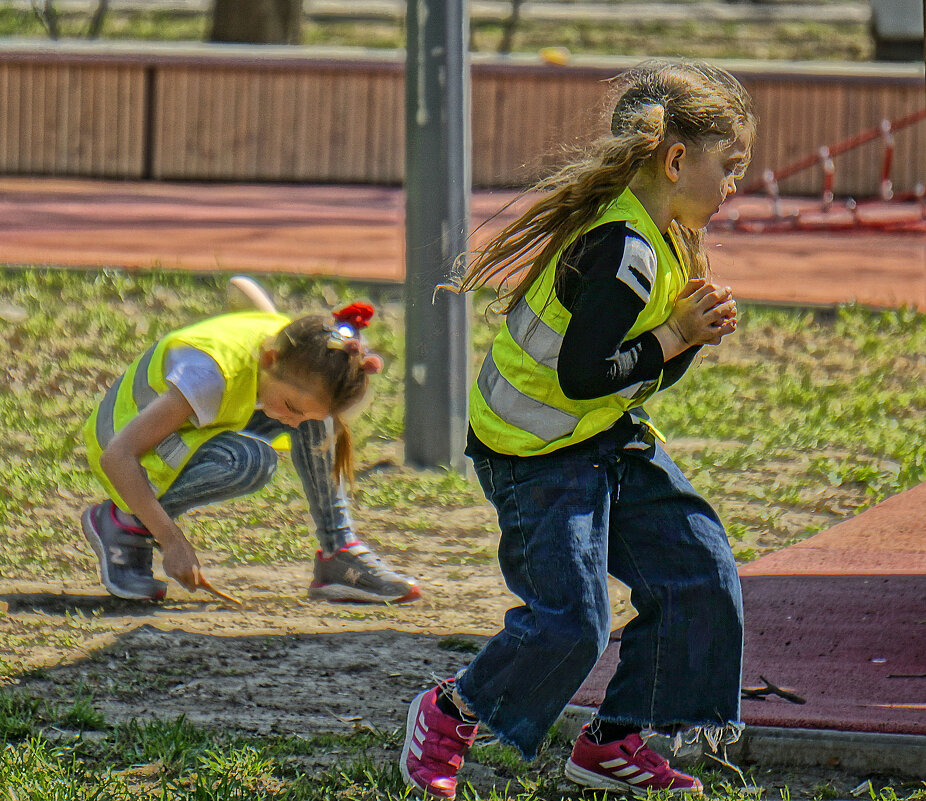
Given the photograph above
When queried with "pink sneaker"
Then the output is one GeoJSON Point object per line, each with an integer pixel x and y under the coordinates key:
{"type": "Point", "coordinates": [434, 747]}
{"type": "Point", "coordinates": [628, 765]}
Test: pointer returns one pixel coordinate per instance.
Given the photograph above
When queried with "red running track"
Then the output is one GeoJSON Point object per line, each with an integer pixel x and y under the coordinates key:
{"type": "Point", "coordinates": [357, 232]}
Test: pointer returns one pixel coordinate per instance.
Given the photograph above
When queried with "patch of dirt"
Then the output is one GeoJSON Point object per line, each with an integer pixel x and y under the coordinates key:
{"type": "Point", "coordinates": [452, 558]}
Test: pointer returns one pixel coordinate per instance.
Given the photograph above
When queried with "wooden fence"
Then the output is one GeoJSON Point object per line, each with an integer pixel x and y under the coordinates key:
{"type": "Point", "coordinates": [208, 112]}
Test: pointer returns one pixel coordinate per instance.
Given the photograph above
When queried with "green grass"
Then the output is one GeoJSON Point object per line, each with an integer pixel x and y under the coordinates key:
{"type": "Point", "coordinates": [794, 40]}
{"type": "Point", "coordinates": [785, 40]}
{"type": "Point", "coordinates": [44, 759]}
{"type": "Point", "coordinates": [791, 425]}
{"type": "Point", "coordinates": [152, 25]}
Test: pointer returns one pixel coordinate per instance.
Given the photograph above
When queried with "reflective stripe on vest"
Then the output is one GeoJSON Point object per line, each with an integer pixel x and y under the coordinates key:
{"type": "Point", "coordinates": [533, 335]}
{"type": "Point", "coordinates": [543, 421]}
{"type": "Point", "coordinates": [542, 343]}
{"type": "Point", "coordinates": [172, 449]}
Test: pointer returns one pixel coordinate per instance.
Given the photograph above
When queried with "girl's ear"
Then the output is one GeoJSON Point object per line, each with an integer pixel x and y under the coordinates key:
{"type": "Point", "coordinates": [268, 358]}
{"type": "Point", "coordinates": [372, 363]}
{"type": "Point", "coordinates": [673, 161]}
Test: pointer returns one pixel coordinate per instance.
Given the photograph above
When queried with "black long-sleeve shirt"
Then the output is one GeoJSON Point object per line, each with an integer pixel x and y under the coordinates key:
{"type": "Point", "coordinates": [613, 273]}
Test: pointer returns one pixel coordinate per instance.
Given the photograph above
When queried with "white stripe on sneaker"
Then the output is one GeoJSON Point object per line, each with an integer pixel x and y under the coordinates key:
{"type": "Point", "coordinates": [613, 763]}
{"type": "Point", "coordinates": [415, 749]}
{"type": "Point", "coordinates": [628, 771]}
{"type": "Point", "coordinates": [640, 779]}
{"type": "Point", "coordinates": [421, 730]}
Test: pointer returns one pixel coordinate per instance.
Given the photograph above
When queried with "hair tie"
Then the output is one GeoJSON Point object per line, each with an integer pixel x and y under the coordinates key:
{"type": "Point", "coordinates": [348, 323]}
{"type": "Point", "coordinates": [372, 363]}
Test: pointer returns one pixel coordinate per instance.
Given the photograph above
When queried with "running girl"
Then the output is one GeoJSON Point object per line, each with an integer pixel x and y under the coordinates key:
{"type": "Point", "coordinates": [606, 303]}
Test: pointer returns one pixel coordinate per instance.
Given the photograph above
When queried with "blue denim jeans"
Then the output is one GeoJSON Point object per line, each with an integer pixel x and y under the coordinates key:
{"type": "Point", "coordinates": [233, 464]}
{"type": "Point", "coordinates": [568, 519]}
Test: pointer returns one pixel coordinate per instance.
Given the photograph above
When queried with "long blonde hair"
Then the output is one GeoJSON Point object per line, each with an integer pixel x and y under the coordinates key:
{"type": "Point", "coordinates": [693, 101]}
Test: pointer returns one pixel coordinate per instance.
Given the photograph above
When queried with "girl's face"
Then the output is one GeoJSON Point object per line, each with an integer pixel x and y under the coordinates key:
{"type": "Point", "coordinates": [285, 401]}
{"type": "Point", "coordinates": [705, 179]}
{"type": "Point", "coordinates": [289, 403]}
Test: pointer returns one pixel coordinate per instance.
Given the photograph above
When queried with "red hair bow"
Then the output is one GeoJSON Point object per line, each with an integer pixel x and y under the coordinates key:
{"type": "Point", "coordinates": [357, 315]}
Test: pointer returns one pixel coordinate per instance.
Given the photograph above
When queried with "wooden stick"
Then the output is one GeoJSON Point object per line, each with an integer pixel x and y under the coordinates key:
{"type": "Point", "coordinates": [204, 584]}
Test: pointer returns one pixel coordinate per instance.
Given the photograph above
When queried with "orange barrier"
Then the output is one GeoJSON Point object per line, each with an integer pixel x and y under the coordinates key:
{"type": "Point", "coordinates": [890, 211]}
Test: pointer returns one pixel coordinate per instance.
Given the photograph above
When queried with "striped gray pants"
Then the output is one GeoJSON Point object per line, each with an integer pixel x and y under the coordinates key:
{"type": "Point", "coordinates": [234, 464]}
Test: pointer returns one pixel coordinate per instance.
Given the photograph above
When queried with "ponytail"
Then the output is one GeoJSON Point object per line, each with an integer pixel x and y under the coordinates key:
{"type": "Point", "coordinates": [655, 100]}
{"type": "Point", "coordinates": [576, 196]}
{"type": "Point", "coordinates": [343, 452]}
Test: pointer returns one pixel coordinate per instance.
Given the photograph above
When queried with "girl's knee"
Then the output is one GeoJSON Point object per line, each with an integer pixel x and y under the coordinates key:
{"type": "Point", "coordinates": [249, 462]}
{"type": "Point", "coordinates": [263, 464]}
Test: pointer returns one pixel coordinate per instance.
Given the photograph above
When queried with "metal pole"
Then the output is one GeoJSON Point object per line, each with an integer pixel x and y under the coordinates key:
{"type": "Point", "coordinates": [437, 187]}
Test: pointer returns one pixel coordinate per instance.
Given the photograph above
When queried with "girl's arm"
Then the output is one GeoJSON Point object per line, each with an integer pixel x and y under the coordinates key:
{"type": "Point", "coordinates": [605, 291]}
{"type": "Point", "coordinates": [121, 463]}
{"type": "Point", "coordinates": [605, 295]}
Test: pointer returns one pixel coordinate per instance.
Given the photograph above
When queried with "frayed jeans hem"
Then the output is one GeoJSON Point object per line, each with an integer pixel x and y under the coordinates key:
{"type": "Point", "coordinates": [500, 735]}
{"type": "Point", "coordinates": [714, 734]}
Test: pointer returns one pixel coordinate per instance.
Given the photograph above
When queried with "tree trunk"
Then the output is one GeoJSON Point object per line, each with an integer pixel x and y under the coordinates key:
{"type": "Point", "coordinates": [48, 16]}
{"type": "Point", "coordinates": [510, 27]}
{"type": "Point", "coordinates": [97, 20]}
{"type": "Point", "coordinates": [257, 21]}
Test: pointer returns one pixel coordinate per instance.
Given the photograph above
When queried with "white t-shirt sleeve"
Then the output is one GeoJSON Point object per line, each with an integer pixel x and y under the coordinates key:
{"type": "Point", "coordinates": [199, 379]}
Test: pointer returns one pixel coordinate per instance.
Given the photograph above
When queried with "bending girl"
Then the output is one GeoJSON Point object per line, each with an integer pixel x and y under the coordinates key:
{"type": "Point", "coordinates": [190, 423]}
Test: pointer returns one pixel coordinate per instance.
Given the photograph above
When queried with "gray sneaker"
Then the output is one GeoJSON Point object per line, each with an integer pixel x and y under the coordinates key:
{"type": "Point", "coordinates": [124, 554]}
{"type": "Point", "coordinates": [355, 573]}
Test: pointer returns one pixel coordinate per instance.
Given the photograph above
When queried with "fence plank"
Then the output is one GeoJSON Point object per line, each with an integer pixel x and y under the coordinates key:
{"type": "Point", "coordinates": [299, 114]}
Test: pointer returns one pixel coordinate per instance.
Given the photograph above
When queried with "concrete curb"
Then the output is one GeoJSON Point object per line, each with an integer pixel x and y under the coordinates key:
{"type": "Point", "coordinates": [902, 755]}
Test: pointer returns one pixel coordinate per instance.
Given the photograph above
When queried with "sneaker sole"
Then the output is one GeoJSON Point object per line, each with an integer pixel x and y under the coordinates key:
{"type": "Point", "coordinates": [86, 524]}
{"type": "Point", "coordinates": [410, 720]}
{"type": "Point", "coordinates": [595, 781]}
{"type": "Point", "coordinates": [343, 593]}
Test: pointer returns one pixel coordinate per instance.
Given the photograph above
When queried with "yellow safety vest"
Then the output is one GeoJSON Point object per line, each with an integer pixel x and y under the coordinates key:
{"type": "Point", "coordinates": [234, 341]}
{"type": "Point", "coordinates": [516, 404]}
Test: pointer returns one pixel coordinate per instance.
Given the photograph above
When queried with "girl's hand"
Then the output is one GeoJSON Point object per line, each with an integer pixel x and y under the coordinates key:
{"type": "Point", "coordinates": [704, 313]}
{"type": "Point", "coordinates": [121, 462]}
{"type": "Point", "coordinates": [180, 562]}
